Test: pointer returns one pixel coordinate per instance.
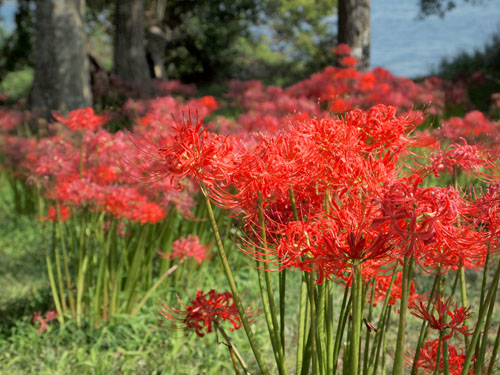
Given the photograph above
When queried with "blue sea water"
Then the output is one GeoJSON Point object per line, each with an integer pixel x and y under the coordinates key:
{"type": "Point", "coordinates": [411, 47]}
{"type": "Point", "coordinates": [7, 12]}
{"type": "Point", "coordinates": [402, 43]}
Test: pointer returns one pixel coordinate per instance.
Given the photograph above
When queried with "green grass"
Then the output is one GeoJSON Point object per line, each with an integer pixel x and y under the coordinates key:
{"type": "Point", "coordinates": [23, 280]}
{"type": "Point", "coordinates": [17, 84]}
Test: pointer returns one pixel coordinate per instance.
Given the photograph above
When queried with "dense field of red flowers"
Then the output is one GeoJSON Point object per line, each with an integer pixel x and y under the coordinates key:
{"type": "Point", "coordinates": [358, 180]}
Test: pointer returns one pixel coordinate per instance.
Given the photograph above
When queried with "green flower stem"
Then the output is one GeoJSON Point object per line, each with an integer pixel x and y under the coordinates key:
{"type": "Point", "coordinates": [53, 288]}
{"type": "Point", "coordinates": [59, 276]}
{"type": "Point", "coordinates": [382, 345]}
{"type": "Point", "coordinates": [424, 327]}
{"type": "Point", "coordinates": [308, 346]}
{"type": "Point", "coordinates": [79, 289]}
{"type": "Point", "coordinates": [232, 348]}
{"type": "Point", "coordinates": [438, 355]}
{"type": "Point", "coordinates": [320, 327]}
{"type": "Point", "coordinates": [494, 352]}
{"type": "Point", "coordinates": [69, 283]}
{"type": "Point", "coordinates": [357, 311]}
{"type": "Point", "coordinates": [485, 276]}
{"type": "Point", "coordinates": [454, 286]}
{"type": "Point", "coordinates": [446, 365]}
{"type": "Point", "coordinates": [314, 346]}
{"type": "Point", "coordinates": [329, 330]}
{"type": "Point", "coordinates": [342, 322]}
{"type": "Point", "coordinates": [269, 288]}
{"type": "Point", "coordinates": [282, 289]}
{"type": "Point", "coordinates": [302, 337]}
{"type": "Point", "coordinates": [400, 343]}
{"type": "Point", "coordinates": [381, 322]}
{"type": "Point", "coordinates": [463, 290]}
{"type": "Point", "coordinates": [134, 273]}
{"type": "Point", "coordinates": [232, 286]}
{"type": "Point", "coordinates": [483, 342]}
{"type": "Point", "coordinates": [368, 332]}
{"type": "Point", "coordinates": [158, 282]}
{"type": "Point", "coordinates": [267, 313]}
{"type": "Point", "coordinates": [480, 318]}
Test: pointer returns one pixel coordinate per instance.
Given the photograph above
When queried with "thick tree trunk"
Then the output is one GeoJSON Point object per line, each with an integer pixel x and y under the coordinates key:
{"type": "Point", "coordinates": [129, 53]}
{"type": "Point", "coordinates": [156, 39]}
{"type": "Point", "coordinates": [354, 29]}
{"type": "Point", "coordinates": [62, 79]}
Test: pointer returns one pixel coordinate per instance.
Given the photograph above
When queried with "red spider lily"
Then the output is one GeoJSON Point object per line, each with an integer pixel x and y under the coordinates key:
{"type": "Point", "coordinates": [456, 157]}
{"type": "Point", "coordinates": [473, 126]}
{"type": "Point", "coordinates": [427, 222]}
{"type": "Point", "coordinates": [209, 102]}
{"type": "Point", "coordinates": [104, 174]}
{"type": "Point", "coordinates": [44, 319]}
{"type": "Point", "coordinates": [353, 237]}
{"type": "Point", "coordinates": [65, 213]}
{"type": "Point", "coordinates": [10, 119]}
{"type": "Point", "coordinates": [382, 283]}
{"type": "Point", "coordinates": [189, 247]}
{"type": "Point", "coordinates": [427, 359]}
{"type": "Point", "coordinates": [82, 119]}
{"type": "Point", "coordinates": [445, 319]}
{"type": "Point", "coordinates": [342, 49]}
{"type": "Point", "coordinates": [484, 213]}
{"type": "Point", "coordinates": [205, 310]}
{"type": "Point", "coordinates": [194, 151]}
{"type": "Point", "coordinates": [348, 61]}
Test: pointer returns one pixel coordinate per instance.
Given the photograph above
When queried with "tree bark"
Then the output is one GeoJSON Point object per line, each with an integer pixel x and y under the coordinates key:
{"type": "Point", "coordinates": [61, 79]}
{"type": "Point", "coordinates": [129, 51]}
{"type": "Point", "coordinates": [354, 29]}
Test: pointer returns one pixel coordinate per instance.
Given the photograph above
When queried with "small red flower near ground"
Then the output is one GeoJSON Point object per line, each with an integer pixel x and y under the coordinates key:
{"type": "Point", "coordinates": [44, 319]}
{"type": "Point", "coordinates": [205, 311]}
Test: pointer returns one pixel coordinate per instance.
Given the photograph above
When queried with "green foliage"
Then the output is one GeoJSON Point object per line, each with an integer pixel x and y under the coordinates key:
{"type": "Point", "coordinates": [249, 39]}
{"type": "Point", "coordinates": [486, 62]}
{"type": "Point", "coordinates": [304, 30]}
{"type": "Point", "coordinates": [439, 7]}
{"type": "Point", "coordinates": [17, 84]}
{"type": "Point", "coordinates": [15, 52]}
{"type": "Point", "coordinates": [203, 36]}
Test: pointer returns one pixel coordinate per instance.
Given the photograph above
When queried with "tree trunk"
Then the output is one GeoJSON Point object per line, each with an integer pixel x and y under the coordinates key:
{"type": "Point", "coordinates": [62, 80]}
{"type": "Point", "coordinates": [157, 39]}
{"type": "Point", "coordinates": [354, 29]}
{"type": "Point", "coordinates": [129, 53]}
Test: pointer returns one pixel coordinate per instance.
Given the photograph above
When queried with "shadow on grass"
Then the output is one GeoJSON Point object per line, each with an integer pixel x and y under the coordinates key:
{"type": "Point", "coordinates": [23, 277]}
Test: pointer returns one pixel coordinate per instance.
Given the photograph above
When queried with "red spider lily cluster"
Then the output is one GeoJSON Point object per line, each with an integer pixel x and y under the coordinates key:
{"type": "Point", "coordinates": [204, 311]}
{"type": "Point", "coordinates": [429, 354]}
{"type": "Point", "coordinates": [189, 247]}
{"type": "Point", "coordinates": [352, 204]}
{"type": "Point", "coordinates": [78, 165]}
